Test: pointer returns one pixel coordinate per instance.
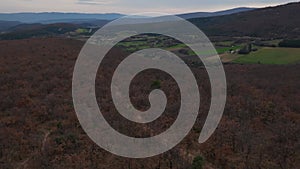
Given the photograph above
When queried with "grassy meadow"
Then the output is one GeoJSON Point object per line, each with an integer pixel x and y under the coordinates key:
{"type": "Point", "coordinates": [268, 55]}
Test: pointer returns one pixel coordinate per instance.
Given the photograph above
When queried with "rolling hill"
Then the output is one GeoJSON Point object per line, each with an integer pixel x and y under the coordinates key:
{"type": "Point", "coordinates": [280, 22]}
{"type": "Point", "coordinates": [7, 24]}
{"type": "Point", "coordinates": [211, 14]}
{"type": "Point", "coordinates": [271, 22]}
{"type": "Point", "coordinates": [24, 31]}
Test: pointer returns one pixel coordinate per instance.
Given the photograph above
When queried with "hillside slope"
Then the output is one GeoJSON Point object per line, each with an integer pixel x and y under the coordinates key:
{"type": "Point", "coordinates": [24, 31]}
{"type": "Point", "coordinates": [7, 24]}
{"type": "Point", "coordinates": [272, 22]}
{"type": "Point", "coordinates": [211, 14]}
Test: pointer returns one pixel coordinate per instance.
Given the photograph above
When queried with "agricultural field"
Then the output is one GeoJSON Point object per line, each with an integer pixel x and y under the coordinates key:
{"type": "Point", "coordinates": [268, 55]}
{"type": "Point", "coordinates": [145, 42]}
{"type": "Point", "coordinates": [228, 50]}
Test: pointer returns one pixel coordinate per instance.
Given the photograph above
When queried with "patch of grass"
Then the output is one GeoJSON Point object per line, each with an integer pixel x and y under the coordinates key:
{"type": "Point", "coordinates": [273, 42]}
{"type": "Point", "coordinates": [270, 55]}
{"type": "Point", "coordinates": [81, 30]}
{"type": "Point", "coordinates": [220, 50]}
{"type": "Point", "coordinates": [131, 44]}
{"type": "Point", "coordinates": [224, 43]}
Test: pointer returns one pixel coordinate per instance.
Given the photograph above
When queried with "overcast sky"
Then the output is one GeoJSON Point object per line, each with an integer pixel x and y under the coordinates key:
{"type": "Point", "coordinates": [130, 6]}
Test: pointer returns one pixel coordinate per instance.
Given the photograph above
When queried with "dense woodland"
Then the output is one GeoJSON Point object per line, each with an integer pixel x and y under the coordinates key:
{"type": "Point", "coordinates": [39, 127]}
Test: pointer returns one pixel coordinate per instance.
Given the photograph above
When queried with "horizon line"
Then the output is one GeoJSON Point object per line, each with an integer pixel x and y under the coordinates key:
{"type": "Point", "coordinates": [121, 13]}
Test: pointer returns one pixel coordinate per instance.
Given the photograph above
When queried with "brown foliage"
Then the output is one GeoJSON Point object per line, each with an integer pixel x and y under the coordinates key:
{"type": "Point", "coordinates": [39, 128]}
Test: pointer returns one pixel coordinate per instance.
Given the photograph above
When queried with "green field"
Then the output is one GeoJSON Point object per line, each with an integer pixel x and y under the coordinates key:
{"type": "Point", "coordinates": [139, 45]}
{"type": "Point", "coordinates": [269, 55]}
{"type": "Point", "coordinates": [264, 55]}
{"type": "Point", "coordinates": [80, 31]}
{"type": "Point", "coordinates": [224, 43]}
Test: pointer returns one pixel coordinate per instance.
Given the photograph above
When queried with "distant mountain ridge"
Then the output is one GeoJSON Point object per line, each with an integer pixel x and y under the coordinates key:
{"type": "Point", "coordinates": [11, 20]}
{"type": "Point", "coordinates": [55, 17]}
{"type": "Point", "coordinates": [8, 24]}
{"type": "Point", "coordinates": [279, 22]}
{"type": "Point", "coordinates": [212, 14]}
{"type": "Point", "coordinates": [58, 17]}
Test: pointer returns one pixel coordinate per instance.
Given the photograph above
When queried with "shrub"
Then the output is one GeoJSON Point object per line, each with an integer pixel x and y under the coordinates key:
{"type": "Point", "coordinates": [198, 162]}
{"type": "Point", "coordinates": [156, 84]}
{"type": "Point", "coordinates": [59, 140]}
